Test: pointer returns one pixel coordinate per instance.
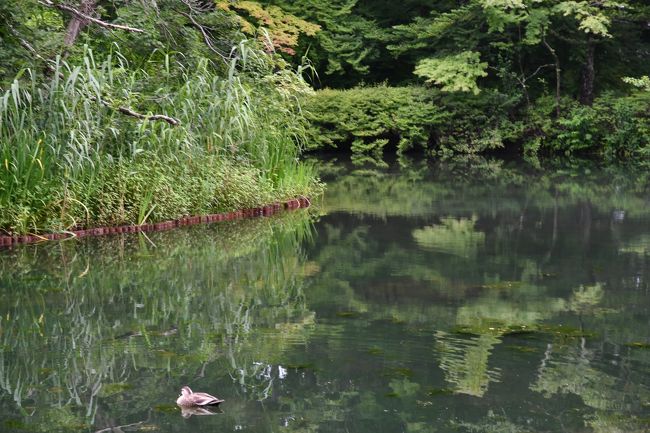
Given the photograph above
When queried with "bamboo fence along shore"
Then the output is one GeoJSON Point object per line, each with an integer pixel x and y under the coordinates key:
{"type": "Point", "coordinates": [267, 210]}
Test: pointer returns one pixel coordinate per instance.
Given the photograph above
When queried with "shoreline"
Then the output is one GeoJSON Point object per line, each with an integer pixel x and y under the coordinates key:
{"type": "Point", "coordinates": [266, 210]}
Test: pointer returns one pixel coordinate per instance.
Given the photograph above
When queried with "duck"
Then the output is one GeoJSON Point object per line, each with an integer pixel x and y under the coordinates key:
{"type": "Point", "coordinates": [188, 398]}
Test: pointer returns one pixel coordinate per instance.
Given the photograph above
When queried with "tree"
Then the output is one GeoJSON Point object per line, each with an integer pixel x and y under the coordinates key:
{"type": "Point", "coordinates": [283, 28]}
{"type": "Point", "coordinates": [513, 31]}
{"type": "Point", "coordinates": [349, 42]}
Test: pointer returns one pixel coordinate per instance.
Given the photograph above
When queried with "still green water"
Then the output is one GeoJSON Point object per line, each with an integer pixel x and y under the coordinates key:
{"type": "Point", "coordinates": [467, 296]}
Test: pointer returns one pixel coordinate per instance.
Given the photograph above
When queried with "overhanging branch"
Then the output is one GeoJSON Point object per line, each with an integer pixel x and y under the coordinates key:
{"type": "Point", "coordinates": [206, 37]}
{"type": "Point", "coordinates": [83, 16]}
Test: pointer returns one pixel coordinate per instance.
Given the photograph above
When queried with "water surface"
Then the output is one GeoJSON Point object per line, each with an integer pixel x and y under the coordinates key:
{"type": "Point", "coordinates": [470, 296]}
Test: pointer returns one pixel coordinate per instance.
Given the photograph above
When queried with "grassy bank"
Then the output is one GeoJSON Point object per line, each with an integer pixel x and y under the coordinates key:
{"type": "Point", "coordinates": [74, 155]}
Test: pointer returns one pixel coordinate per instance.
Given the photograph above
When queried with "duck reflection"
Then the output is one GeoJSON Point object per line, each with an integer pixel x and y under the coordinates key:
{"type": "Point", "coordinates": [187, 412]}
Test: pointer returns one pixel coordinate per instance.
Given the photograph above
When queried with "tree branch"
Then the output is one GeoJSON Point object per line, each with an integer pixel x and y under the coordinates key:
{"type": "Point", "coordinates": [557, 73]}
{"type": "Point", "coordinates": [26, 45]}
{"type": "Point", "coordinates": [79, 14]}
{"type": "Point", "coordinates": [129, 112]}
{"type": "Point", "coordinates": [537, 71]}
{"type": "Point", "coordinates": [206, 37]}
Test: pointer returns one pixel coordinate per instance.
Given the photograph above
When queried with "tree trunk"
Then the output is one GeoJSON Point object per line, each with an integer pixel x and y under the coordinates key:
{"type": "Point", "coordinates": [588, 75]}
{"type": "Point", "coordinates": [556, 62]}
{"type": "Point", "coordinates": [77, 24]}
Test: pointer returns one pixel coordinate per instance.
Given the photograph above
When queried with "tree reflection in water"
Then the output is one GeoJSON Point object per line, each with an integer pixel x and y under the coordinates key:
{"type": "Point", "coordinates": [506, 268]}
{"type": "Point", "coordinates": [471, 295]}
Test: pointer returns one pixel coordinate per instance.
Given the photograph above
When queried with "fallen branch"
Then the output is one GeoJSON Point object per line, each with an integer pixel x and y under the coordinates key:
{"type": "Point", "coordinates": [130, 112]}
{"type": "Point", "coordinates": [83, 16]}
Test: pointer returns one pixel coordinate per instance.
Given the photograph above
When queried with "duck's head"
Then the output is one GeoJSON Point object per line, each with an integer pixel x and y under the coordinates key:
{"type": "Point", "coordinates": [185, 391]}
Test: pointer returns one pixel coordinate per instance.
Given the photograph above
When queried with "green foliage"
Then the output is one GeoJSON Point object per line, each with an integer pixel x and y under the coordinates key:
{"type": "Point", "coordinates": [150, 188]}
{"type": "Point", "coordinates": [590, 17]}
{"type": "Point", "coordinates": [612, 127]}
{"type": "Point", "coordinates": [367, 119]}
{"type": "Point", "coordinates": [457, 73]}
{"type": "Point", "coordinates": [520, 50]}
{"type": "Point", "coordinates": [284, 29]}
{"type": "Point", "coordinates": [348, 41]}
{"type": "Point", "coordinates": [642, 83]}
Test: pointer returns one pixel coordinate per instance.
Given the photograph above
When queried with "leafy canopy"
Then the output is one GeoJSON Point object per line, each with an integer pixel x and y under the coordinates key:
{"type": "Point", "coordinates": [455, 73]}
{"type": "Point", "coordinates": [284, 29]}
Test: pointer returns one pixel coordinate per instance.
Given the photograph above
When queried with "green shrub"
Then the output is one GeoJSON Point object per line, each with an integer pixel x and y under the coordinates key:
{"type": "Point", "coordinates": [475, 123]}
{"type": "Point", "coordinates": [367, 119]}
{"type": "Point", "coordinates": [612, 127]}
{"type": "Point", "coordinates": [624, 124]}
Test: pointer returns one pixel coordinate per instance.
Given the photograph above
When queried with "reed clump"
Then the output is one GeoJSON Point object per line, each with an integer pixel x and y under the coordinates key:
{"type": "Point", "coordinates": [72, 157]}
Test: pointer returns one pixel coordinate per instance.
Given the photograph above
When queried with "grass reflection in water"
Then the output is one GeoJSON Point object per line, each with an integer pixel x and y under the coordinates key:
{"type": "Point", "coordinates": [125, 320]}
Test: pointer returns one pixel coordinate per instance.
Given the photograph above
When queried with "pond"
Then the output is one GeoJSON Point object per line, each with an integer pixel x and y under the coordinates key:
{"type": "Point", "coordinates": [469, 295]}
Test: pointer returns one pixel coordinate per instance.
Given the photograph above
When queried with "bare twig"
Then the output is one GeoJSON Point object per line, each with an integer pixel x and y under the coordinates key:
{"type": "Point", "coordinates": [79, 14]}
{"type": "Point", "coordinates": [537, 71]}
{"type": "Point", "coordinates": [206, 37]}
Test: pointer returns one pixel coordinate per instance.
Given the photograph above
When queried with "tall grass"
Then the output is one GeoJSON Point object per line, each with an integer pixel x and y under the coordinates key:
{"type": "Point", "coordinates": [63, 138]}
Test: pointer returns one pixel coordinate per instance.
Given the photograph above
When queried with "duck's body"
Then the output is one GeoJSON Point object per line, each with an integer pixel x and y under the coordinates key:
{"type": "Point", "coordinates": [193, 399]}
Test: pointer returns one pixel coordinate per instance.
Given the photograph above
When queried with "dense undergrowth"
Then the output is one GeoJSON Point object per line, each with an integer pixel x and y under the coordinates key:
{"type": "Point", "coordinates": [72, 159]}
{"type": "Point", "coordinates": [368, 120]}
